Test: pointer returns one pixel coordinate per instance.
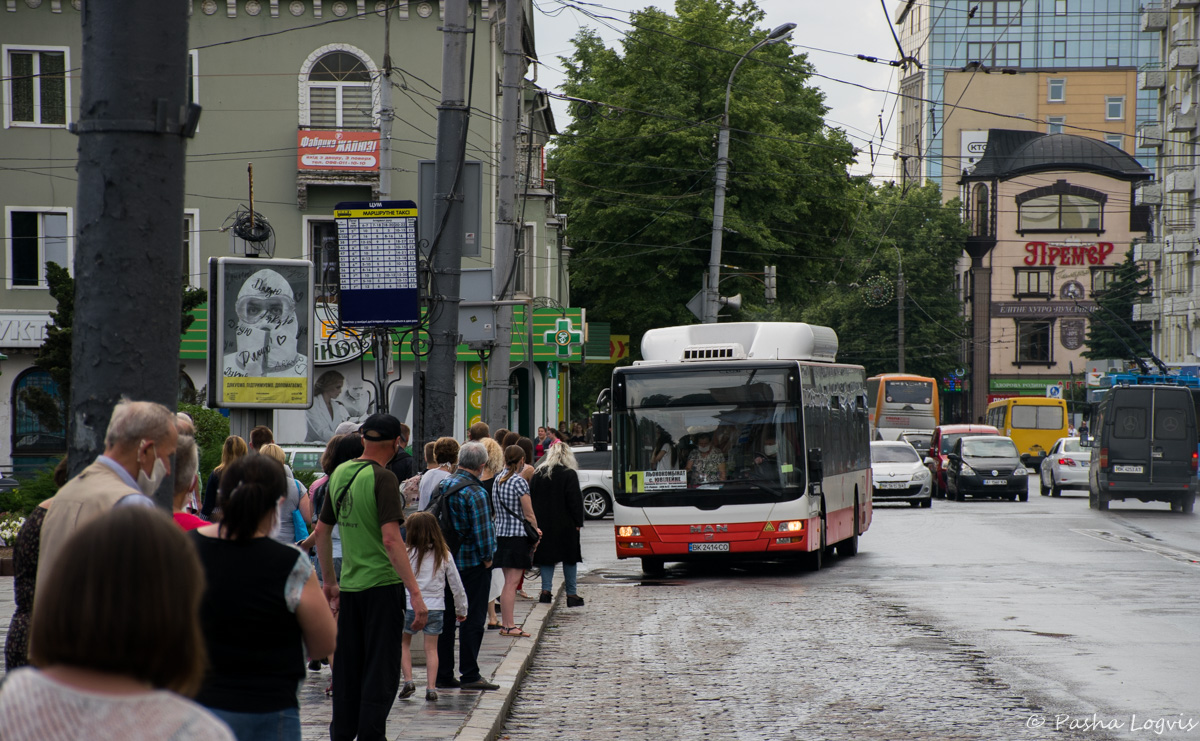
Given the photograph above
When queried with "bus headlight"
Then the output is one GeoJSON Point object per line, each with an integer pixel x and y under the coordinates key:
{"type": "Point", "coordinates": [625, 531]}
{"type": "Point", "coordinates": [791, 526]}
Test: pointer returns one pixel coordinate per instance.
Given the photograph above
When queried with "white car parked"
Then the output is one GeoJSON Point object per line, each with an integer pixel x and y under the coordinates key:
{"type": "Point", "coordinates": [898, 475]}
{"type": "Point", "coordinates": [1065, 467]}
{"type": "Point", "coordinates": [595, 480]}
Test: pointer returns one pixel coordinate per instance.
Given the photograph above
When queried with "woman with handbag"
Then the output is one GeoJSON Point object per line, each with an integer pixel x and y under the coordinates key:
{"type": "Point", "coordinates": [516, 533]}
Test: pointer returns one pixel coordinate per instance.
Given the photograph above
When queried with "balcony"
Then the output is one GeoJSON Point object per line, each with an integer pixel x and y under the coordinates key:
{"type": "Point", "coordinates": [1149, 194]}
{"type": "Point", "coordinates": [1148, 312]}
{"type": "Point", "coordinates": [1179, 121]}
{"type": "Point", "coordinates": [1180, 244]}
{"type": "Point", "coordinates": [1147, 251]}
{"type": "Point", "coordinates": [1184, 54]}
{"type": "Point", "coordinates": [1181, 180]}
{"type": "Point", "coordinates": [1150, 135]}
{"type": "Point", "coordinates": [1152, 76]}
{"type": "Point", "coordinates": [1154, 16]}
{"type": "Point", "coordinates": [1177, 4]}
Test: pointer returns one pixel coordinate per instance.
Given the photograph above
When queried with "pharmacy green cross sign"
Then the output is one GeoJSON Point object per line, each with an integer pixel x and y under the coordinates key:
{"type": "Point", "coordinates": [564, 336]}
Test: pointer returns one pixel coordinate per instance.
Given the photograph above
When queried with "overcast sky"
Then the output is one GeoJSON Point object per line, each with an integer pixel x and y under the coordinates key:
{"type": "Point", "coordinates": [845, 26]}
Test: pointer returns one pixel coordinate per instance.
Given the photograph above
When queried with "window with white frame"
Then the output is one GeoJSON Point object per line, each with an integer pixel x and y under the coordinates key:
{"type": "Point", "coordinates": [1035, 282]}
{"type": "Point", "coordinates": [36, 237]}
{"type": "Point", "coordinates": [1056, 89]}
{"type": "Point", "coordinates": [191, 247]}
{"type": "Point", "coordinates": [1116, 140]}
{"type": "Point", "coordinates": [1055, 124]}
{"type": "Point", "coordinates": [1114, 108]}
{"type": "Point", "coordinates": [525, 260]}
{"type": "Point", "coordinates": [193, 76]}
{"type": "Point", "coordinates": [339, 93]}
{"type": "Point", "coordinates": [36, 86]}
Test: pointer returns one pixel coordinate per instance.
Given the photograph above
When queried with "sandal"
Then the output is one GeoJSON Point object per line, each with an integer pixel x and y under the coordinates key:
{"type": "Point", "coordinates": [494, 626]}
{"type": "Point", "coordinates": [514, 632]}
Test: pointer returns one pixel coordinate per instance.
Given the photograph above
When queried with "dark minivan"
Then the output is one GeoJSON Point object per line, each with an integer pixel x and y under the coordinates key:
{"type": "Point", "coordinates": [1144, 447]}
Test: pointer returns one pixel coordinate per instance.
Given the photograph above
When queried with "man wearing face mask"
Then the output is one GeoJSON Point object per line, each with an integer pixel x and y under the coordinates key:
{"type": "Point", "coordinates": [138, 446]}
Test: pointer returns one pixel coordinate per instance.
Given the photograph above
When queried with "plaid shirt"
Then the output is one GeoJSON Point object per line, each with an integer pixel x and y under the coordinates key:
{"type": "Point", "coordinates": [469, 512]}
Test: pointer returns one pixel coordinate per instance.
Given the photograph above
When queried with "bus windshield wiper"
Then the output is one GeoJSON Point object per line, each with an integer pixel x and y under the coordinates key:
{"type": "Point", "coordinates": [778, 492]}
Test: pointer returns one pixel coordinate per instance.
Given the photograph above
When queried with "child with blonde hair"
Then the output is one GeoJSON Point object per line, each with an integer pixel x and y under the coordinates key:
{"type": "Point", "coordinates": [435, 570]}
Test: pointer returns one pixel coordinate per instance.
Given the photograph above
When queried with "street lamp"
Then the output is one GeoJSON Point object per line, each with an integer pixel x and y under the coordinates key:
{"type": "Point", "coordinates": [712, 298]}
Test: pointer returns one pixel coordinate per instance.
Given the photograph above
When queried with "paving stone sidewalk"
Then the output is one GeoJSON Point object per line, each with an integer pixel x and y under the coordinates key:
{"type": "Point", "coordinates": [461, 714]}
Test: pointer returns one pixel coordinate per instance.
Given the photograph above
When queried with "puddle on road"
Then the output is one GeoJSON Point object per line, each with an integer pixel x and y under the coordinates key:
{"type": "Point", "coordinates": [1174, 554]}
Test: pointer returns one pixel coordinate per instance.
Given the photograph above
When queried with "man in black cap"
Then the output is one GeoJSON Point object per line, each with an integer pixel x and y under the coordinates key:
{"type": "Point", "coordinates": [403, 464]}
{"type": "Point", "coordinates": [364, 501]}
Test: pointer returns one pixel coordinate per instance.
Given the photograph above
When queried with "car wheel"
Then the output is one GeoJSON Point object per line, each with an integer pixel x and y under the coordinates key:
{"type": "Point", "coordinates": [848, 547]}
{"type": "Point", "coordinates": [1023, 496]}
{"type": "Point", "coordinates": [1045, 489]}
{"type": "Point", "coordinates": [958, 495]}
{"type": "Point", "coordinates": [595, 504]}
{"type": "Point", "coordinates": [1102, 501]}
{"type": "Point", "coordinates": [1055, 490]}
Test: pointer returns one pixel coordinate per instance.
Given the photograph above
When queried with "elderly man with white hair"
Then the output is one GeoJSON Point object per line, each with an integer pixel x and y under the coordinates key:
{"type": "Point", "coordinates": [468, 505]}
{"type": "Point", "coordinates": [138, 446]}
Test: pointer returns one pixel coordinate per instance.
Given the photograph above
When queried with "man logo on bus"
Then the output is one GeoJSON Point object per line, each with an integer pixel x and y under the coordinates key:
{"type": "Point", "coordinates": [710, 528]}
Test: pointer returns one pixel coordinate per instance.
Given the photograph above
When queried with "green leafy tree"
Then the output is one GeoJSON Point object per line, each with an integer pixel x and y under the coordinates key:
{"type": "Point", "coordinates": [1111, 330]}
{"type": "Point", "coordinates": [212, 428]}
{"type": "Point", "coordinates": [634, 170]}
{"type": "Point", "coordinates": [54, 356]}
{"type": "Point", "coordinates": [897, 225]}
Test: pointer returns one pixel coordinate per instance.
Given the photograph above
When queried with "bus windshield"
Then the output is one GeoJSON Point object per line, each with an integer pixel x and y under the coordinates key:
{"type": "Point", "coordinates": [717, 453]}
{"type": "Point", "coordinates": [908, 392]}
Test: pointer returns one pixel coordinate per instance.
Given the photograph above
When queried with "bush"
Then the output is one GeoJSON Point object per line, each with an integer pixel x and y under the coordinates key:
{"type": "Point", "coordinates": [30, 493]}
{"type": "Point", "coordinates": [212, 428]}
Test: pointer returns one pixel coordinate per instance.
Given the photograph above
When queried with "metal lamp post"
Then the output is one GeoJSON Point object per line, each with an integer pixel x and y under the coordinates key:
{"type": "Point", "coordinates": [712, 302]}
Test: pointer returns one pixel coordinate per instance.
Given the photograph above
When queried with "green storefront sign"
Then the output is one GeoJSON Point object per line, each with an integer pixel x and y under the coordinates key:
{"type": "Point", "coordinates": [1023, 385]}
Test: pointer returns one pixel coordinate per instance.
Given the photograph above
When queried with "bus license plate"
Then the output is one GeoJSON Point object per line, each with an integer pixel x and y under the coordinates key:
{"type": "Point", "coordinates": [893, 485]}
{"type": "Point", "coordinates": [707, 547]}
{"type": "Point", "coordinates": [995, 482]}
{"type": "Point", "coordinates": [1127, 469]}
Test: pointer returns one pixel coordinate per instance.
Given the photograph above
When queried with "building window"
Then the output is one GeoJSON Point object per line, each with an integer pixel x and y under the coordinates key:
{"type": "Point", "coordinates": [1056, 89]}
{"type": "Point", "coordinates": [1034, 283]}
{"type": "Point", "coordinates": [1061, 212]}
{"type": "Point", "coordinates": [980, 218]}
{"type": "Point", "coordinates": [37, 92]}
{"type": "Point", "coordinates": [39, 432]}
{"type": "Point", "coordinates": [1055, 124]}
{"type": "Point", "coordinates": [193, 76]}
{"type": "Point", "coordinates": [1114, 108]}
{"type": "Point", "coordinates": [323, 251]}
{"type": "Point", "coordinates": [1060, 7]}
{"type": "Point", "coordinates": [191, 248]}
{"type": "Point", "coordinates": [1102, 278]}
{"type": "Point", "coordinates": [36, 238]}
{"type": "Point", "coordinates": [1116, 140]}
{"type": "Point", "coordinates": [1004, 54]}
{"type": "Point", "coordinates": [996, 13]}
{"type": "Point", "coordinates": [525, 261]}
{"type": "Point", "coordinates": [340, 93]}
{"type": "Point", "coordinates": [1060, 50]}
{"type": "Point", "coordinates": [1033, 342]}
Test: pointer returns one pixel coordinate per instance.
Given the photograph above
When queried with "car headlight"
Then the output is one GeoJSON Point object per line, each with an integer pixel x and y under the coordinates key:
{"type": "Point", "coordinates": [1021, 471]}
{"type": "Point", "coordinates": [921, 474]}
{"type": "Point", "coordinates": [967, 470]}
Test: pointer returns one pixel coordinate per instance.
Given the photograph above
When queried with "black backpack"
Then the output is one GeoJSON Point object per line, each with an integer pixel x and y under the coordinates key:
{"type": "Point", "coordinates": [439, 507]}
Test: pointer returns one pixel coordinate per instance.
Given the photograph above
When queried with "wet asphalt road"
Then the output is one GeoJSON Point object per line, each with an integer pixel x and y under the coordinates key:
{"type": "Point", "coordinates": [971, 620]}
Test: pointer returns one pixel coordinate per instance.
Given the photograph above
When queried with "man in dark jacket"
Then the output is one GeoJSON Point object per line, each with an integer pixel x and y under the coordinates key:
{"type": "Point", "coordinates": [403, 464]}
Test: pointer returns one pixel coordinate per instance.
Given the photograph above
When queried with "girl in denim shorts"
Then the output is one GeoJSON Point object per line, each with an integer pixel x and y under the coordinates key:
{"type": "Point", "coordinates": [435, 570]}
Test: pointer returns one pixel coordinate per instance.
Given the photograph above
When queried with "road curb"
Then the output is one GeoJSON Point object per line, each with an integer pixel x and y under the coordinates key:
{"type": "Point", "coordinates": [487, 718]}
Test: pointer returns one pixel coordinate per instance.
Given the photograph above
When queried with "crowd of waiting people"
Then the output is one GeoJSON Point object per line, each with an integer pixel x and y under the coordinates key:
{"type": "Point", "coordinates": [200, 625]}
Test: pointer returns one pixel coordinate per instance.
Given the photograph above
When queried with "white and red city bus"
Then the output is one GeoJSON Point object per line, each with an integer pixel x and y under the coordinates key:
{"type": "Point", "coordinates": [741, 440]}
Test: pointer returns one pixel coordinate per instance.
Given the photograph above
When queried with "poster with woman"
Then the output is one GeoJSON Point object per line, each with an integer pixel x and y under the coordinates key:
{"type": "Point", "coordinates": [260, 333]}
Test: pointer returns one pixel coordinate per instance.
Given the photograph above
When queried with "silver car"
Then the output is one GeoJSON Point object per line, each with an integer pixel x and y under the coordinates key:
{"type": "Point", "coordinates": [898, 475]}
{"type": "Point", "coordinates": [1065, 467]}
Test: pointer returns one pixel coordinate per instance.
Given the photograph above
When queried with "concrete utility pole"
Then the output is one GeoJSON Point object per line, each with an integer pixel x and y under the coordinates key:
{"type": "Point", "coordinates": [447, 249]}
{"type": "Point", "coordinates": [499, 365]}
{"type": "Point", "coordinates": [133, 119]}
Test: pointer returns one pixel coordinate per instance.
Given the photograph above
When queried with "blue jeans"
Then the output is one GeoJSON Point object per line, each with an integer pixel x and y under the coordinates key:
{"type": "Point", "coordinates": [283, 725]}
{"type": "Point", "coordinates": [569, 572]}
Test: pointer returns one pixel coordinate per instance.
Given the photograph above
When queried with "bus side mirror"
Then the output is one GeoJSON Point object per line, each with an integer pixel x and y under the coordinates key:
{"type": "Point", "coordinates": [600, 431]}
{"type": "Point", "coordinates": [816, 469]}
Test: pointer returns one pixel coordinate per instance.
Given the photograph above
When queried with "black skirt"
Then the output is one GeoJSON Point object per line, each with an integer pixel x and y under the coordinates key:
{"type": "Point", "coordinates": [512, 553]}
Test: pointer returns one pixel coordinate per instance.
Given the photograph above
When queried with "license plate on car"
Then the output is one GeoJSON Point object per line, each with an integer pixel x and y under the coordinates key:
{"type": "Point", "coordinates": [893, 485]}
{"type": "Point", "coordinates": [707, 547]}
{"type": "Point", "coordinates": [995, 482]}
{"type": "Point", "coordinates": [1127, 469]}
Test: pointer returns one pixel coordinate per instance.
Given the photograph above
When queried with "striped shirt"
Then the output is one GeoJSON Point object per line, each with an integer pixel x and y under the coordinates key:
{"type": "Point", "coordinates": [506, 503]}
